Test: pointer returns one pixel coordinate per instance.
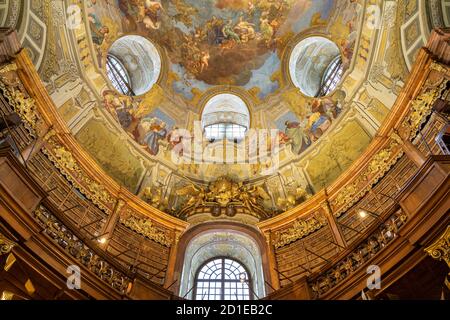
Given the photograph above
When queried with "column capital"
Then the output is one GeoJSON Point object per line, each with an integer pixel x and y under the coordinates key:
{"type": "Point", "coordinates": [440, 249]}
{"type": "Point", "coordinates": [6, 245]}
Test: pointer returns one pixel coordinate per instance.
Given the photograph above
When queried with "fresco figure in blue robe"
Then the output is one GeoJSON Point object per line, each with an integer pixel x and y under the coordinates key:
{"type": "Point", "coordinates": [98, 31]}
{"type": "Point", "coordinates": [157, 132]}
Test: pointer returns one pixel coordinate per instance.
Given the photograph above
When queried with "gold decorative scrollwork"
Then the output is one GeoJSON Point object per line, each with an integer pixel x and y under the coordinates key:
{"type": "Point", "coordinates": [440, 249]}
{"type": "Point", "coordinates": [366, 250]}
{"type": "Point", "coordinates": [23, 106]}
{"type": "Point", "coordinates": [8, 68]}
{"type": "Point", "coordinates": [300, 228]}
{"type": "Point", "coordinates": [6, 245]}
{"type": "Point", "coordinates": [224, 193]}
{"type": "Point", "coordinates": [421, 107]}
{"type": "Point", "coordinates": [78, 249]}
{"type": "Point", "coordinates": [438, 67]}
{"type": "Point", "coordinates": [380, 163]}
{"type": "Point", "coordinates": [146, 227]}
{"type": "Point", "coordinates": [65, 161]}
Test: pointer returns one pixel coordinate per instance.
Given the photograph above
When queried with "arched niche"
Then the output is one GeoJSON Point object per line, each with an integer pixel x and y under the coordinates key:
{"type": "Point", "coordinates": [226, 239]}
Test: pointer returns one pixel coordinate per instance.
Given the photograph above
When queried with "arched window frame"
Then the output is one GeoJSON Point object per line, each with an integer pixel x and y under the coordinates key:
{"type": "Point", "coordinates": [223, 294]}
{"type": "Point", "coordinates": [118, 75]}
{"type": "Point", "coordinates": [331, 77]}
{"type": "Point", "coordinates": [225, 116]}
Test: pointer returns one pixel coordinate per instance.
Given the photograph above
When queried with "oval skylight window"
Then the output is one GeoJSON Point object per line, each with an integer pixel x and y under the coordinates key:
{"type": "Point", "coordinates": [133, 65]}
{"type": "Point", "coordinates": [315, 66]}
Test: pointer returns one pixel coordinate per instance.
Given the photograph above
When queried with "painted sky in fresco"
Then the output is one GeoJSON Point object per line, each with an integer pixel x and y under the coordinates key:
{"type": "Point", "coordinates": [212, 42]}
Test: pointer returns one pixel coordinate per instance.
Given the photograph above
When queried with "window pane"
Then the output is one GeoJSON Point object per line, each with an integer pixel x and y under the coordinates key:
{"type": "Point", "coordinates": [222, 279]}
{"type": "Point", "coordinates": [225, 131]}
{"type": "Point", "coordinates": [117, 75]}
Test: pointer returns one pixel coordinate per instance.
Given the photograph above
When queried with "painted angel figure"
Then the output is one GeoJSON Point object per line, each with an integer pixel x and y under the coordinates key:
{"type": "Point", "coordinates": [153, 10]}
{"type": "Point", "coordinates": [99, 32]}
{"type": "Point", "coordinates": [204, 61]}
{"type": "Point", "coordinates": [229, 33]}
{"type": "Point", "coordinates": [266, 29]}
{"type": "Point", "coordinates": [245, 30]}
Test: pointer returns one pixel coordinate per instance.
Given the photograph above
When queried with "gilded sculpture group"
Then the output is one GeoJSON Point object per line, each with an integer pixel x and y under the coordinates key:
{"type": "Point", "coordinates": [224, 193]}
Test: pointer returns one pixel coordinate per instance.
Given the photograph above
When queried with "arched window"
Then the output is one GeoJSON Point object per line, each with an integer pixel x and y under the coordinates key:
{"type": "Point", "coordinates": [118, 75]}
{"type": "Point", "coordinates": [331, 77]}
{"type": "Point", "coordinates": [225, 116]}
{"type": "Point", "coordinates": [222, 279]}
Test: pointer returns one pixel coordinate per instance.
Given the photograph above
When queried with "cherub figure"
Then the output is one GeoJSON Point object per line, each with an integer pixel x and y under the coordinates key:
{"type": "Point", "coordinates": [204, 61]}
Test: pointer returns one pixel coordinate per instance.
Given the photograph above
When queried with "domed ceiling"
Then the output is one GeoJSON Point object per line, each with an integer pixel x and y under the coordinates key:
{"type": "Point", "coordinates": [214, 42]}
{"type": "Point", "coordinates": [272, 55]}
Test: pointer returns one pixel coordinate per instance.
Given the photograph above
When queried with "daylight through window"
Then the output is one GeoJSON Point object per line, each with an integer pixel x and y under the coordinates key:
{"type": "Point", "coordinates": [222, 279]}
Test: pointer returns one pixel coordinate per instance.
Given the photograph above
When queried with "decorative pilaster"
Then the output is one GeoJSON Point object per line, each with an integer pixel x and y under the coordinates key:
{"type": "Point", "coordinates": [112, 222]}
{"type": "Point", "coordinates": [411, 151]}
{"type": "Point", "coordinates": [9, 44]}
{"type": "Point", "coordinates": [170, 272]}
{"type": "Point", "coordinates": [273, 266]}
{"type": "Point", "coordinates": [37, 145]}
{"type": "Point", "coordinates": [438, 44]}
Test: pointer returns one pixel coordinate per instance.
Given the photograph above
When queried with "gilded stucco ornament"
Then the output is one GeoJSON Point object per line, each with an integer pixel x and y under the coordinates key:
{"type": "Point", "coordinates": [359, 256]}
{"type": "Point", "coordinates": [440, 250]}
{"type": "Point", "coordinates": [84, 255]}
{"type": "Point", "coordinates": [439, 67]}
{"type": "Point", "coordinates": [224, 193]}
{"type": "Point", "coordinates": [23, 106]}
{"type": "Point", "coordinates": [376, 168]}
{"type": "Point", "coordinates": [421, 108]}
{"type": "Point", "coordinates": [292, 199]}
{"type": "Point", "coordinates": [381, 162]}
{"type": "Point", "coordinates": [10, 67]}
{"type": "Point", "coordinates": [6, 245]}
{"type": "Point", "coordinates": [65, 161]}
{"type": "Point", "coordinates": [147, 228]}
{"type": "Point", "coordinates": [300, 228]}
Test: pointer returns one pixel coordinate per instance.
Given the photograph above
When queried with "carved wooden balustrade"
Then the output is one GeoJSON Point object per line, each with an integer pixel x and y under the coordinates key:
{"type": "Point", "coordinates": [85, 255]}
{"type": "Point", "coordinates": [371, 245]}
{"type": "Point", "coordinates": [372, 184]}
{"type": "Point", "coordinates": [143, 245]}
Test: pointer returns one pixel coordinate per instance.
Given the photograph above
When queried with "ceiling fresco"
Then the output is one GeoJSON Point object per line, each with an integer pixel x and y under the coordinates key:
{"type": "Point", "coordinates": [212, 47]}
{"type": "Point", "coordinates": [214, 42]}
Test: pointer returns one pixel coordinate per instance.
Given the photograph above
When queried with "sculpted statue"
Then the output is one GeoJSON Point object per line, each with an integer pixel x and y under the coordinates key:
{"type": "Point", "coordinates": [225, 193]}
{"type": "Point", "coordinates": [196, 195]}
{"type": "Point", "coordinates": [292, 199]}
{"type": "Point", "coordinates": [252, 196]}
